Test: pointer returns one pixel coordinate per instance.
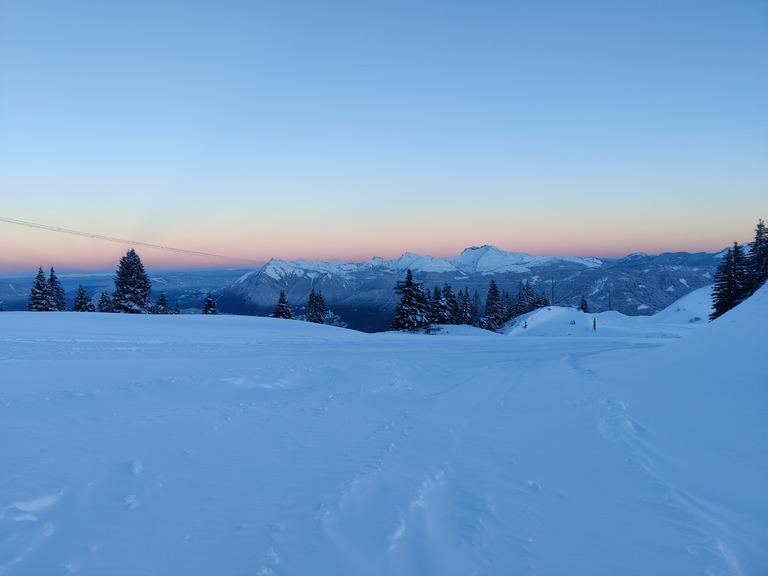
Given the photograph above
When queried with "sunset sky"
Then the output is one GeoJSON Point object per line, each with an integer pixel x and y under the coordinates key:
{"type": "Point", "coordinates": [351, 129]}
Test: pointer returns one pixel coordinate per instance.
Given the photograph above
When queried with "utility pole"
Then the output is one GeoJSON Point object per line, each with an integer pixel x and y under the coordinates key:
{"type": "Point", "coordinates": [552, 299]}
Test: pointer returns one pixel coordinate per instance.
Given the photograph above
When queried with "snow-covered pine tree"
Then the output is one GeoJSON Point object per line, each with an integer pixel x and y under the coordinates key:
{"type": "Point", "coordinates": [509, 305]}
{"type": "Point", "coordinates": [132, 286]}
{"type": "Point", "coordinates": [757, 260]}
{"type": "Point", "coordinates": [449, 306]}
{"type": "Point", "coordinates": [583, 306]}
{"type": "Point", "coordinates": [731, 282]}
{"type": "Point", "coordinates": [210, 305]}
{"type": "Point", "coordinates": [283, 308]}
{"type": "Point", "coordinates": [495, 312]}
{"type": "Point", "coordinates": [83, 302]}
{"type": "Point", "coordinates": [412, 311]}
{"type": "Point", "coordinates": [527, 300]}
{"type": "Point", "coordinates": [105, 303]}
{"type": "Point", "coordinates": [40, 297]}
{"type": "Point", "coordinates": [58, 296]}
{"type": "Point", "coordinates": [162, 306]}
{"type": "Point", "coordinates": [465, 310]}
{"type": "Point", "coordinates": [316, 308]}
{"type": "Point", "coordinates": [474, 308]}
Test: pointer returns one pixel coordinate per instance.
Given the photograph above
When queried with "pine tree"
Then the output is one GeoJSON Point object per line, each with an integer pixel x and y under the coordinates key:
{"type": "Point", "coordinates": [162, 306]}
{"type": "Point", "coordinates": [757, 260]}
{"type": "Point", "coordinates": [83, 302]}
{"type": "Point", "coordinates": [450, 305]}
{"type": "Point", "coordinates": [283, 309]}
{"type": "Point", "coordinates": [495, 312]}
{"type": "Point", "coordinates": [132, 286]}
{"type": "Point", "coordinates": [59, 297]}
{"type": "Point", "coordinates": [176, 309]}
{"type": "Point", "coordinates": [316, 309]}
{"type": "Point", "coordinates": [40, 297]}
{"type": "Point", "coordinates": [731, 282]}
{"type": "Point", "coordinates": [465, 308]}
{"type": "Point", "coordinates": [210, 305]}
{"type": "Point", "coordinates": [583, 306]}
{"type": "Point", "coordinates": [474, 309]}
{"type": "Point", "coordinates": [509, 305]}
{"type": "Point", "coordinates": [105, 303]}
{"type": "Point", "coordinates": [527, 300]}
{"type": "Point", "coordinates": [434, 305]}
{"type": "Point", "coordinates": [412, 311]}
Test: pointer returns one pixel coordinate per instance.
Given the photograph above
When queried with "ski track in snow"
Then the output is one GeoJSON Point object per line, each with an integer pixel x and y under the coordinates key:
{"type": "Point", "coordinates": [260, 447]}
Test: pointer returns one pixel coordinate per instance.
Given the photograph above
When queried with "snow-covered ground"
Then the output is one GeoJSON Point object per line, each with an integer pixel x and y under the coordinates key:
{"type": "Point", "coordinates": [252, 446]}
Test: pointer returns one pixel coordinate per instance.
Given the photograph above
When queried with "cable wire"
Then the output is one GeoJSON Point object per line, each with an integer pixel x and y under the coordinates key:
{"type": "Point", "coordinates": [123, 241]}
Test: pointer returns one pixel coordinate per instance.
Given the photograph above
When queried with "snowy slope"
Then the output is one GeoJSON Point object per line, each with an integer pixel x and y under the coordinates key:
{"type": "Point", "coordinates": [685, 315]}
{"type": "Point", "coordinates": [233, 445]}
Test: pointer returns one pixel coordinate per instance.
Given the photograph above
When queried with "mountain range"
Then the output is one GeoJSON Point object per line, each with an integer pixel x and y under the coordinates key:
{"type": "Point", "coordinates": [362, 295]}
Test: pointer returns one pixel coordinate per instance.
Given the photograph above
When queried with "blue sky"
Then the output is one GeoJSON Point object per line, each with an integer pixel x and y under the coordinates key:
{"type": "Point", "coordinates": [352, 129]}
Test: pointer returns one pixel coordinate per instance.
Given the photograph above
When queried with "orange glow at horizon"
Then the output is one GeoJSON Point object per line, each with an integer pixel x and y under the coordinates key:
{"type": "Point", "coordinates": [26, 249]}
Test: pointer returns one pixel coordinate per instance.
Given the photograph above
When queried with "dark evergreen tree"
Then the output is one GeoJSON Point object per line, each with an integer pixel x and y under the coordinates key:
{"type": "Point", "coordinates": [176, 309]}
{"type": "Point", "coordinates": [731, 282]}
{"type": "Point", "coordinates": [132, 286]}
{"type": "Point", "coordinates": [474, 309]}
{"type": "Point", "coordinates": [316, 308]}
{"type": "Point", "coordinates": [509, 305]}
{"type": "Point", "coordinates": [495, 312]}
{"type": "Point", "coordinates": [40, 297]}
{"type": "Point", "coordinates": [59, 297]}
{"type": "Point", "coordinates": [450, 305]}
{"type": "Point", "coordinates": [583, 306]}
{"type": "Point", "coordinates": [435, 307]}
{"type": "Point", "coordinates": [412, 311]}
{"type": "Point", "coordinates": [83, 302]}
{"type": "Point", "coordinates": [465, 308]}
{"type": "Point", "coordinates": [210, 305]}
{"type": "Point", "coordinates": [527, 300]}
{"type": "Point", "coordinates": [757, 260]}
{"type": "Point", "coordinates": [162, 306]}
{"type": "Point", "coordinates": [105, 303]}
{"type": "Point", "coordinates": [283, 309]}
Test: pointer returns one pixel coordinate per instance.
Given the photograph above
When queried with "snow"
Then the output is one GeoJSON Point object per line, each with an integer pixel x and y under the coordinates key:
{"type": "Point", "coordinates": [244, 445]}
{"type": "Point", "coordinates": [489, 259]}
{"type": "Point", "coordinates": [486, 259]}
{"type": "Point", "coordinates": [687, 314]}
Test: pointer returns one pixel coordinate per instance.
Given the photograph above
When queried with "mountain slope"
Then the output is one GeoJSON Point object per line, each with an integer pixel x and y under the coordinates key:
{"type": "Point", "coordinates": [362, 293]}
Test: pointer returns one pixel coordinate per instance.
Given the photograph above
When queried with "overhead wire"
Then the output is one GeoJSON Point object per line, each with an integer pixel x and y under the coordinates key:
{"type": "Point", "coordinates": [124, 241]}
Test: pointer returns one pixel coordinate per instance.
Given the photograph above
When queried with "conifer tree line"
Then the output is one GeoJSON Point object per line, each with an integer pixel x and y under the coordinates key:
{"type": "Point", "coordinates": [315, 310]}
{"type": "Point", "coordinates": [740, 273]}
{"type": "Point", "coordinates": [132, 293]}
{"type": "Point", "coordinates": [47, 293]}
{"type": "Point", "coordinates": [419, 308]}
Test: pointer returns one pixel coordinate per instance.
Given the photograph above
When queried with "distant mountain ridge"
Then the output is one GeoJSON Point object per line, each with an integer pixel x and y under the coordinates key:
{"type": "Point", "coordinates": [476, 260]}
{"type": "Point", "coordinates": [361, 293]}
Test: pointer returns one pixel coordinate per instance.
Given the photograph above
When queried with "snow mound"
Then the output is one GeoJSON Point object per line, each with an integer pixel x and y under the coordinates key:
{"type": "Point", "coordinates": [686, 314]}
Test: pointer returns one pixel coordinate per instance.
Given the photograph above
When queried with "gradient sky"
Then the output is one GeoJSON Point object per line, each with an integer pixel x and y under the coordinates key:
{"type": "Point", "coordinates": [351, 129]}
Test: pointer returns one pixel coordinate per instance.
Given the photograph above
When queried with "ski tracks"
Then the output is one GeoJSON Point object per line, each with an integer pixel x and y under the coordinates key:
{"type": "Point", "coordinates": [695, 522]}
